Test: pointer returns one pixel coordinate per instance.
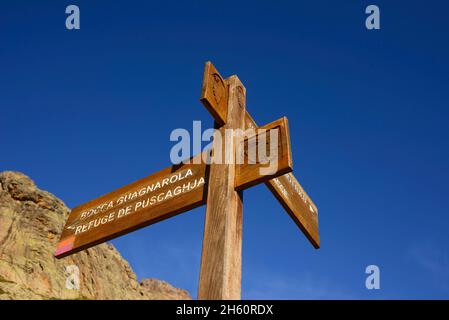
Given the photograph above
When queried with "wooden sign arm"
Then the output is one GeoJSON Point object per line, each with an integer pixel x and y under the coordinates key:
{"type": "Point", "coordinates": [289, 192]}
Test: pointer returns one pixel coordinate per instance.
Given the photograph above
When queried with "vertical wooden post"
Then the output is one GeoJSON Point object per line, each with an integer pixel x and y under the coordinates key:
{"type": "Point", "coordinates": [221, 260]}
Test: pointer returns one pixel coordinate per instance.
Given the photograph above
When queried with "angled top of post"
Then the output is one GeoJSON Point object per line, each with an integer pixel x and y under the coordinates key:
{"type": "Point", "coordinates": [214, 94]}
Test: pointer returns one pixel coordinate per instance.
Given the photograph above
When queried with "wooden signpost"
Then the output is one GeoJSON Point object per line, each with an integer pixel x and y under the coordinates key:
{"type": "Point", "coordinates": [218, 184]}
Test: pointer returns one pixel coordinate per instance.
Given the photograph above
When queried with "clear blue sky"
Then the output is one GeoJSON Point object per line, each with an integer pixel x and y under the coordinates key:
{"type": "Point", "coordinates": [84, 112]}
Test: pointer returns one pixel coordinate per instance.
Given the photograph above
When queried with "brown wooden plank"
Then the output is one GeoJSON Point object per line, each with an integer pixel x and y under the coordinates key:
{"type": "Point", "coordinates": [250, 172]}
{"type": "Point", "coordinates": [154, 198]}
{"type": "Point", "coordinates": [298, 204]}
{"type": "Point", "coordinates": [214, 94]}
{"type": "Point", "coordinates": [221, 260]}
{"type": "Point", "coordinates": [294, 199]}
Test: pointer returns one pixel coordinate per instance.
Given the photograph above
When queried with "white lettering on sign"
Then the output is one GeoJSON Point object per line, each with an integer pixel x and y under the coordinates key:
{"type": "Point", "coordinates": [137, 193]}
{"type": "Point", "coordinates": [296, 188]}
{"type": "Point", "coordinates": [281, 186]}
{"type": "Point", "coordinates": [95, 223]}
{"type": "Point", "coordinates": [153, 187]}
{"type": "Point", "coordinates": [144, 203]}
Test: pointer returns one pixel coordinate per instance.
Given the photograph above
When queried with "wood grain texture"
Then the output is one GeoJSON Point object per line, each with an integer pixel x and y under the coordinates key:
{"type": "Point", "coordinates": [171, 191]}
{"type": "Point", "coordinates": [298, 205]}
{"type": "Point", "coordinates": [221, 260]}
{"type": "Point", "coordinates": [249, 174]}
{"type": "Point", "coordinates": [214, 94]}
{"type": "Point", "coordinates": [293, 199]}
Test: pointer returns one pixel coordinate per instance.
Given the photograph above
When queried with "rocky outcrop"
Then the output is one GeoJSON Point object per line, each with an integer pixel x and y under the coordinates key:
{"type": "Point", "coordinates": [31, 221]}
